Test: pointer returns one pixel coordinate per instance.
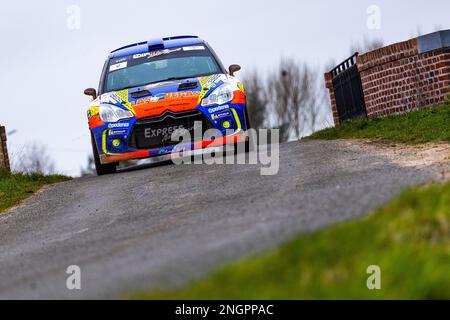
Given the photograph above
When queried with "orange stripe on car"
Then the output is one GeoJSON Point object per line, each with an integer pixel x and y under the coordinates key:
{"type": "Point", "coordinates": [239, 97]}
{"type": "Point", "coordinates": [149, 109]}
{"type": "Point", "coordinates": [95, 122]}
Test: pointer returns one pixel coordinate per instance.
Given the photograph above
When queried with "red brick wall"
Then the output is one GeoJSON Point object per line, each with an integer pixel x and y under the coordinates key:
{"type": "Point", "coordinates": [404, 76]}
{"type": "Point", "coordinates": [398, 78]}
{"type": "Point", "coordinates": [329, 85]}
{"type": "Point", "coordinates": [4, 160]}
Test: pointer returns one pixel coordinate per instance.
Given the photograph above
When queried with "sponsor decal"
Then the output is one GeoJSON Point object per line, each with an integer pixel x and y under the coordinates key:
{"type": "Point", "coordinates": [153, 54]}
{"type": "Point", "coordinates": [118, 66]}
{"type": "Point", "coordinates": [211, 81]}
{"type": "Point", "coordinates": [162, 96]}
{"type": "Point", "coordinates": [192, 48]}
{"type": "Point", "coordinates": [118, 125]}
{"type": "Point", "coordinates": [141, 101]}
{"type": "Point", "coordinates": [207, 83]}
{"type": "Point", "coordinates": [111, 97]}
{"type": "Point", "coordinates": [119, 60]}
{"type": "Point", "coordinates": [220, 115]}
{"type": "Point", "coordinates": [219, 108]}
{"type": "Point", "coordinates": [182, 94]}
{"type": "Point", "coordinates": [115, 132]}
{"type": "Point", "coordinates": [167, 131]}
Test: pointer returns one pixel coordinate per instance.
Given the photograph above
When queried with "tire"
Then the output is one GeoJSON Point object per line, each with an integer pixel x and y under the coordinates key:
{"type": "Point", "coordinates": [249, 145]}
{"type": "Point", "coordinates": [248, 124]}
{"type": "Point", "coordinates": [101, 169]}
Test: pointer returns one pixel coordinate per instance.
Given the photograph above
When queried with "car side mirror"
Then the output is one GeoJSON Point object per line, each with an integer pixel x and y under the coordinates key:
{"type": "Point", "coordinates": [233, 68]}
{"type": "Point", "coordinates": [91, 92]}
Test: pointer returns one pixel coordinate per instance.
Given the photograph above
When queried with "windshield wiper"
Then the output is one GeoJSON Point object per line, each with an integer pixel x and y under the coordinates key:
{"type": "Point", "coordinates": [175, 78]}
{"type": "Point", "coordinates": [148, 83]}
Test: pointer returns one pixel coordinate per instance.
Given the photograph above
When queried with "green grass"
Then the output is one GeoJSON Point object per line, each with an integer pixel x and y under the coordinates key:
{"type": "Point", "coordinates": [426, 125]}
{"type": "Point", "coordinates": [14, 187]}
{"type": "Point", "coordinates": [409, 239]}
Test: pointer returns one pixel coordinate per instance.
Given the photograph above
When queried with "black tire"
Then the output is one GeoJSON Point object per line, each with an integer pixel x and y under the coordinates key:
{"type": "Point", "coordinates": [249, 145]}
{"type": "Point", "coordinates": [101, 169]}
{"type": "Point", "coordinates": [248, 124]}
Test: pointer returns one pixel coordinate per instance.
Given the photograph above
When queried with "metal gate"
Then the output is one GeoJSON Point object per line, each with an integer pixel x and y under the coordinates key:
{"type": "Point", "coordinates": [348, 90]}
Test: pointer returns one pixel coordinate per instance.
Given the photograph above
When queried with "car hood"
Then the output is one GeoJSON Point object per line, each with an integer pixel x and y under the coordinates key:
{"type": "Point", "coordinates": [156, 98]}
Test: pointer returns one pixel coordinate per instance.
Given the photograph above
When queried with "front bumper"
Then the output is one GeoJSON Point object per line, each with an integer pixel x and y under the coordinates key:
{"type": "Point", "coordinates": [141, 154]}
{"type": "Point", "coordinates": [120, 141]}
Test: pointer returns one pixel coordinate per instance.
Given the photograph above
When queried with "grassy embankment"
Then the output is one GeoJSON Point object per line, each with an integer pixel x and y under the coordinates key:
{"type": "Point", "coordinates": [426, 125]}
{"type": "Point", "coordinates": [15, 187]}
{"type": "Point", "coordinates": [409, 239]}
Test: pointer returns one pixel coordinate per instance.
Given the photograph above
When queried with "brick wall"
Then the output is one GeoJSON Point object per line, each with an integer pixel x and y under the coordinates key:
{"type": "Point", "coordinates": [404, 76]}
{"type": "Point", "coordinates": [329, 86]}
{"type": "Point", "coordinates": [399, 78]}
{"type": "Point", "coordinates": [4, 159]}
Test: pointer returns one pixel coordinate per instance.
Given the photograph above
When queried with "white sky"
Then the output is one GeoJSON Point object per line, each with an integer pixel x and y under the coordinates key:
{"type": "Point", "coordinates": [46, 66]}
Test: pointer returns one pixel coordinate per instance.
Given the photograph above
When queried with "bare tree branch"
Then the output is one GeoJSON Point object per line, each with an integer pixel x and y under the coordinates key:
{"type": "Point", "coordinates": [367, 45]}
{"type": "Point", "coordinates": [33, 158]}
{"type": "Point", "coordinates": [256, 94]}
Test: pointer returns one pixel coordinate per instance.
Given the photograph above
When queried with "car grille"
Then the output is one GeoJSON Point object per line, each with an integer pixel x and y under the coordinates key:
{"type": "Point", "coordinates": [155, 132]}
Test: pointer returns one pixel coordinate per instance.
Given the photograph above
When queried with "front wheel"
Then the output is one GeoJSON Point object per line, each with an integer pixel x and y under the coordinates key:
{"type": "Point", "coordinates": [249, 144]}
{"type": "Point", "coordinates": [101, 169]}
{"type": "Point", "coordinates": [248, 124]}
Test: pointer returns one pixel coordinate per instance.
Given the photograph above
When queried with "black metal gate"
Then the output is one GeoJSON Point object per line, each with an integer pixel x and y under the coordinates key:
{"type": "Point", "coordinates": [348, 90]}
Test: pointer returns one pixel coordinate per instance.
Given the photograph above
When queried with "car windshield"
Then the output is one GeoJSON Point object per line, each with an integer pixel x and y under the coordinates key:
{"type": "Point", "coordinates": [156, 66]}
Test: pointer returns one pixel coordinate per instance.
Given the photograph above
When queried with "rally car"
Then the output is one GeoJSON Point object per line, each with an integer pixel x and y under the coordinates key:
{"type": "Point", "coordinates": [151, 89]}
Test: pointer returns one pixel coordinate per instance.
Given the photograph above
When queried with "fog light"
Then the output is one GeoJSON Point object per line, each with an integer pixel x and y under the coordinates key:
{"type": "Point", "coordinates": [226, 124]}
{"type": "Point", "coordinates": [116, 143]}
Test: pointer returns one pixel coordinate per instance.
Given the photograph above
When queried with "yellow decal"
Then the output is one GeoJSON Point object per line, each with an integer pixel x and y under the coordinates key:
{"type": "Point", "coordinates": [236, 117]}
{"type": "Point", "coordinates": [105, 151]}
{"type": "Point", "coordinates": [123, 95]}
{"type": "Point", "coordinates": [205, 84]}
{"type": "Point", "coordinates": [241, 87]}
{"type": "Point", "coordinates": [93, 111]}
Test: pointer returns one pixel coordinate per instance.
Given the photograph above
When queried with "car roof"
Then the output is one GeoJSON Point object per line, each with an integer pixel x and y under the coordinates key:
{"type": "Point", "coordinates": [155, 44]}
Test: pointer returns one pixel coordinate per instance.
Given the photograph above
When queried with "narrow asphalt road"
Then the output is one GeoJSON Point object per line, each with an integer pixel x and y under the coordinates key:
{"type": "Point", "coordinates": [166, 225]}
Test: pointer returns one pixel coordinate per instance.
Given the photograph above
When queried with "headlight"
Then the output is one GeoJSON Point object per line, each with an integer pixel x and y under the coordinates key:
{"type": "Point", "coordinates": [110, 113]}
{"type": "Point", "coordinates": [221, 95]}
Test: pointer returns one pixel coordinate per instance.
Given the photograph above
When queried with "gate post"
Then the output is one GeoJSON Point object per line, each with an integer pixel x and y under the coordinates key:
{"type": "Point", "coordinates": [4, 159]}
{"type": "Point", "coordinates": [329, 86]}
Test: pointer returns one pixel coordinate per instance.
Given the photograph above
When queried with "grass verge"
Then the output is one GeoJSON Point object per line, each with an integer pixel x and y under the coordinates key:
{"type": "Point", "coordinates": [409, 239]}
{"type": "Point", "coordinates": [426, 125]}
{"type": "Point", "coordinates": [14, 187]}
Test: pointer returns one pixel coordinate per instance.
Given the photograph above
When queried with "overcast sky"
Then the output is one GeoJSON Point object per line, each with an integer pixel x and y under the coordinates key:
{"type": "Point", "coordinates": [47, 61]}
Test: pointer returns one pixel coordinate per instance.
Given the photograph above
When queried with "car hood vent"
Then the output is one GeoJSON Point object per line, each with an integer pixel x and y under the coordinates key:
{"type": "Point", "coordinates": [140, 94]}
{"type": "Point", "coordinates": [188, 85]}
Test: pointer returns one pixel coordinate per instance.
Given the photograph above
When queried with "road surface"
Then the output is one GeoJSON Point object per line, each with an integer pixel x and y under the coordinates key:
{"type": "Point", "coordinates": [166, 225]}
